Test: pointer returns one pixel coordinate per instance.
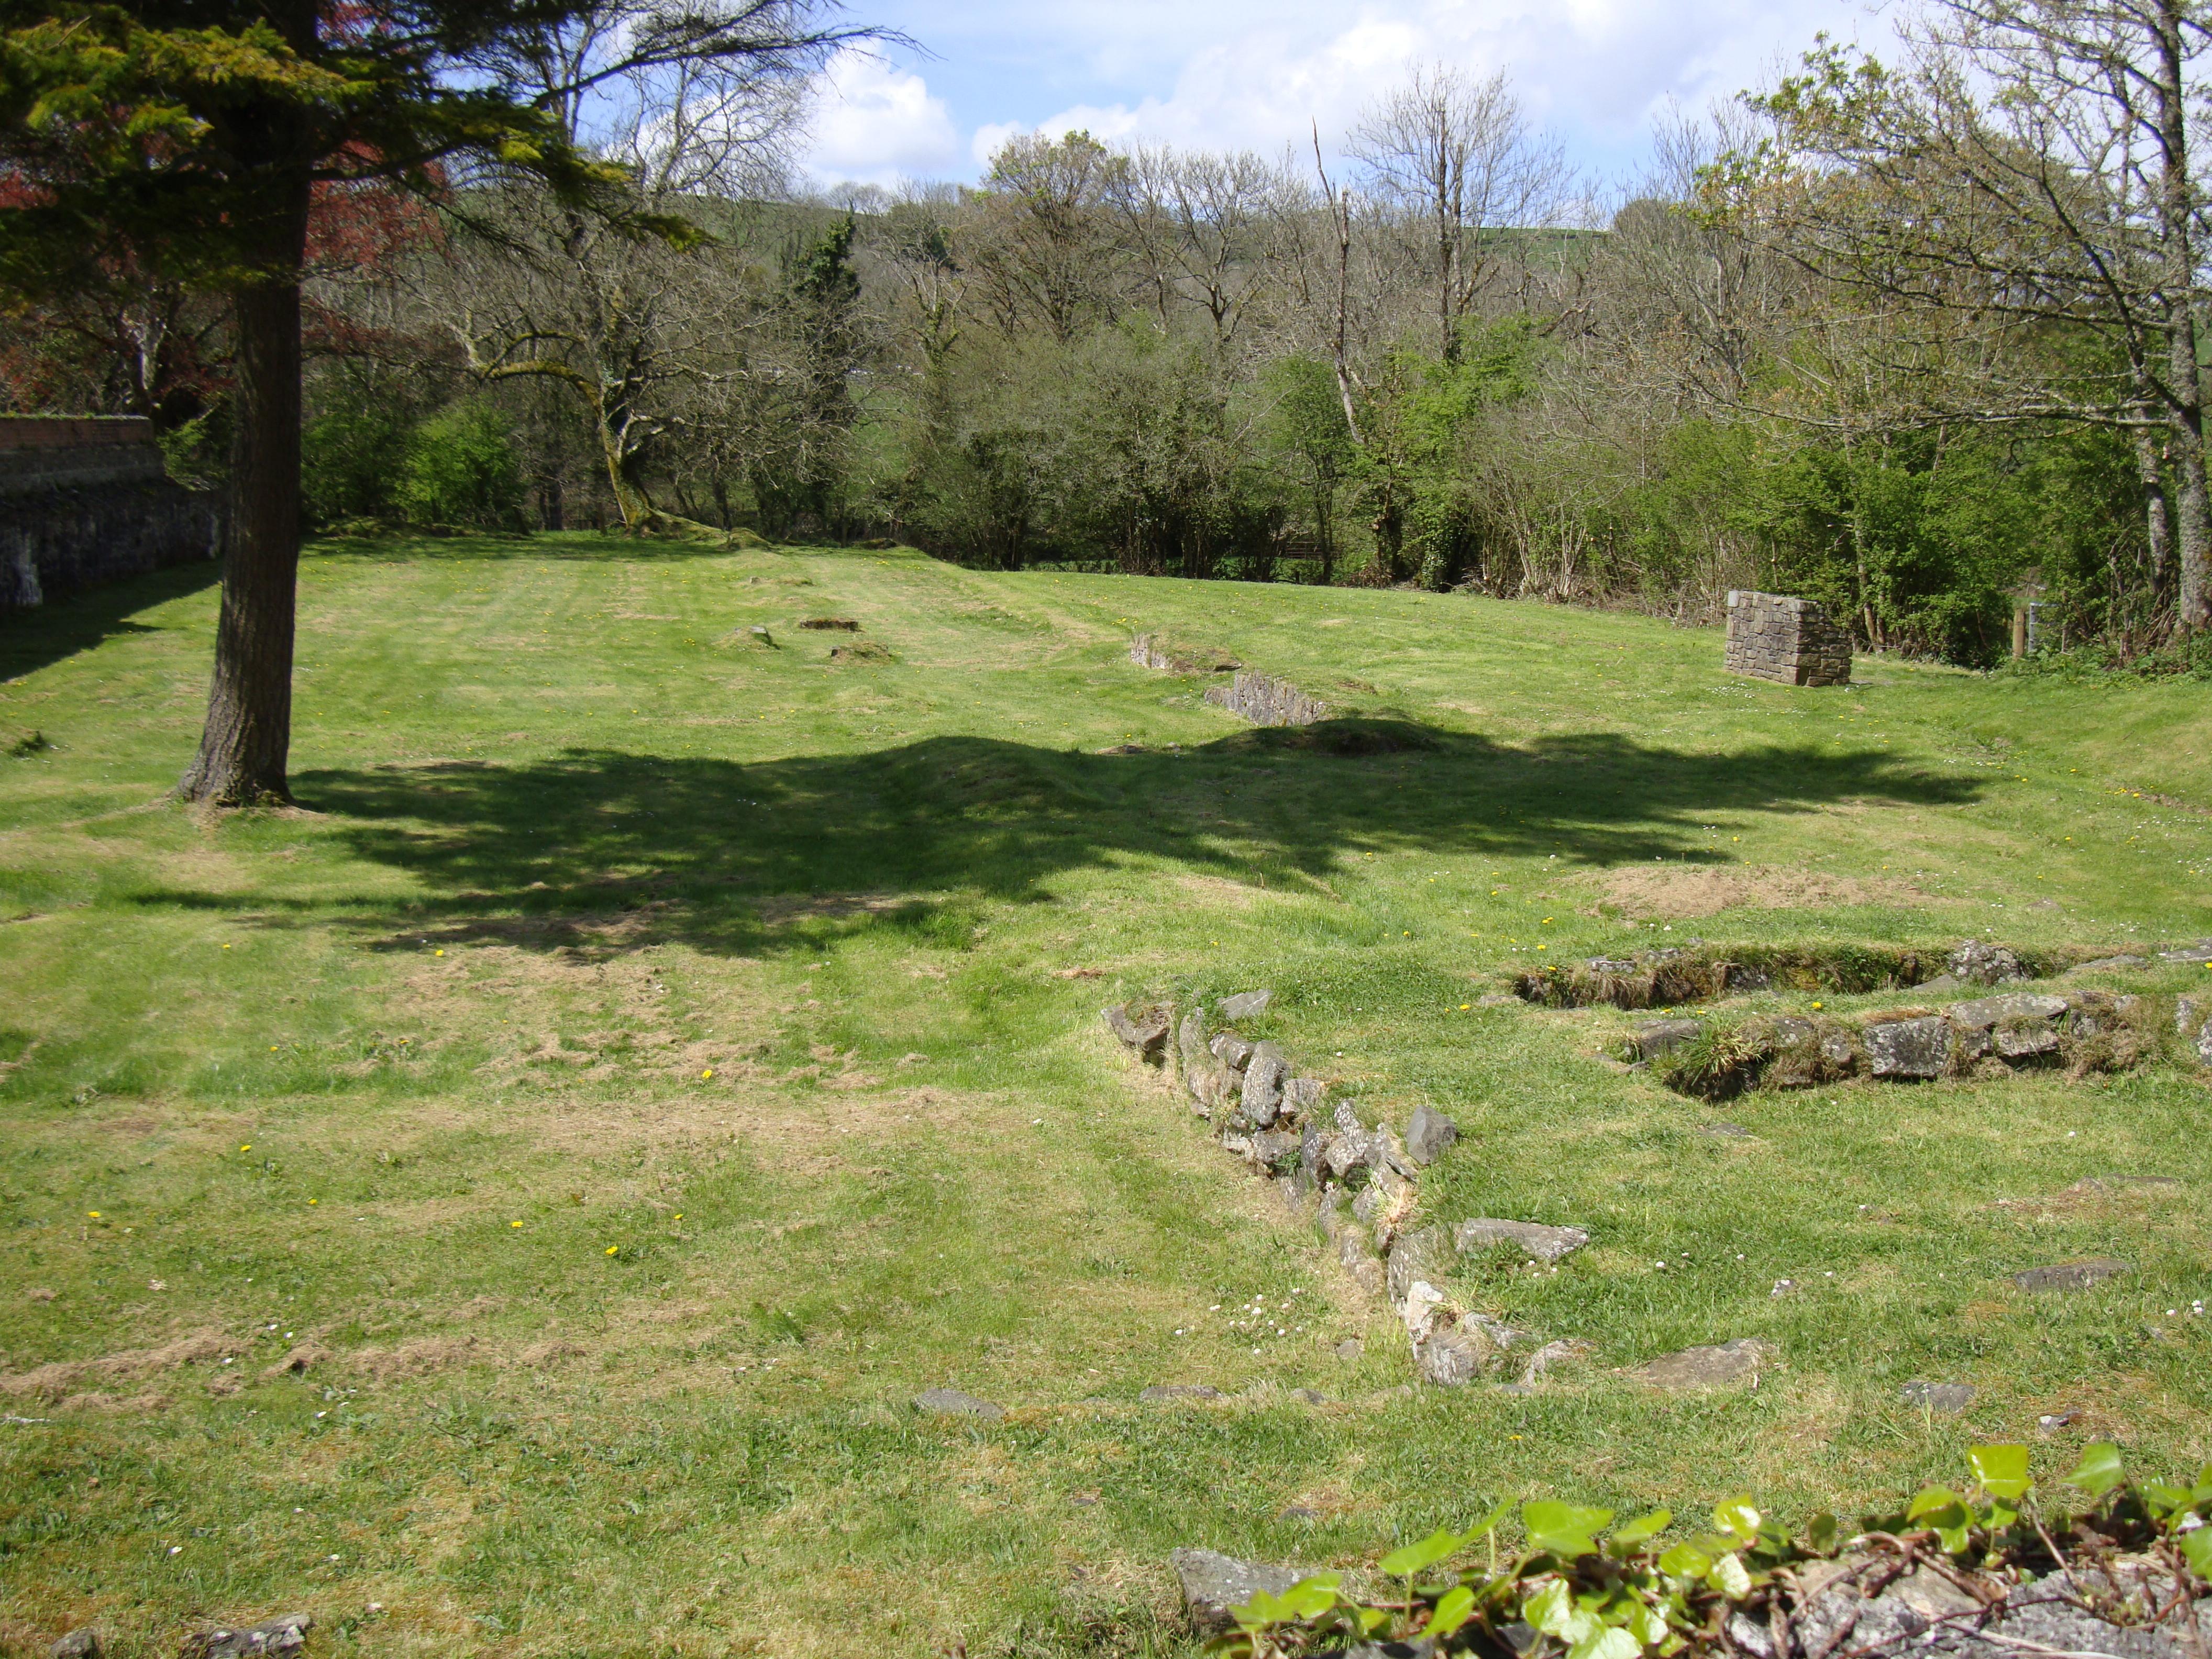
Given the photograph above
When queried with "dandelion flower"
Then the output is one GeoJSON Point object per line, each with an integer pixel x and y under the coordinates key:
{"type": "Point", "coordinates": [704, 1075]}
{"type": "Point", "coordinates": [1819, 1005]}
{"type": "Point", "coordinates": [95, 1214]}
{"type": "Point", "coordinates": [311, 1201]}
{"type": "Point", "coordinates": [1464, 1006]}
{"type": "Point", "coordinates": [248, 1147]}
{"type": "Point", "coordinates": [611, 1248]}
{"type": "Point", "coordinates": [514, 1224]}
{"type": "Point", "coordinates": [679, 1215]}
{"type": "Point", "coordinates": [437, 953]}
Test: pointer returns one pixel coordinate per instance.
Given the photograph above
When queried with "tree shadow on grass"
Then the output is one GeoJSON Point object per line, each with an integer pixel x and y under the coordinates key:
{"type": "Point", "coordinates": [606, 851]}
{"type": "Point", "coordinates": [74, 622]}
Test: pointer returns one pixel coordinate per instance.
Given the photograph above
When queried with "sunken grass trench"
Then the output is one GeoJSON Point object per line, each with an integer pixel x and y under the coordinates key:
{"type": "Point", "coordinates": [510, 1203]}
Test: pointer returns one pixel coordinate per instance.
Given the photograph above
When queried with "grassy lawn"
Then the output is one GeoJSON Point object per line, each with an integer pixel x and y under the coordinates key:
{"type": "Point", "coordinates": [506, 1205]}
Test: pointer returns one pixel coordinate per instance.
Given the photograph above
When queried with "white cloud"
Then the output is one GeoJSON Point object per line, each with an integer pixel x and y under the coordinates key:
{"type": "Point", "coordinates": [1256, 74]}
{"type": "Point", "coordinates": [873, 123]}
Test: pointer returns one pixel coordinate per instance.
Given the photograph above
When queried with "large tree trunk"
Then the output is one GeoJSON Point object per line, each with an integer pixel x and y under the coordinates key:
{"type": "Point", "coordinates": [249, 737]}
{"type": "Point", "coordinates": [2158, 524]}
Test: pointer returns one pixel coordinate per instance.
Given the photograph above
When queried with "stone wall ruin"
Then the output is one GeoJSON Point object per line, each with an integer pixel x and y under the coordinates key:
{"type": "Point", "coordinates": [87, 500]}
{"type": "Point", "coordinates": [1773, 636]}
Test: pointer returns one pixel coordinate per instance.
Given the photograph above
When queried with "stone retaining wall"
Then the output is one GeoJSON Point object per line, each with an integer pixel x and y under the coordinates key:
{"type": "Point", "coordinates": [86, 500]}
{"type": "Point", "coordinates": [1772, 637]}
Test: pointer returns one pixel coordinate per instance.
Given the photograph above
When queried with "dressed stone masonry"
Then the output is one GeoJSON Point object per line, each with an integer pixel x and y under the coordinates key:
{"type": "Point", "coordinates": [1772, 637]}
{"type": "Point", "coordinates": [85, 500]}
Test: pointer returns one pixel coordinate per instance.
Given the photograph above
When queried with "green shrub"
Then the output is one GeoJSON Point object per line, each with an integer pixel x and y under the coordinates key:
{"type": "Point", "coordinates": [461, 470]}
{"type": "Point", "coordinates": [352, 453]}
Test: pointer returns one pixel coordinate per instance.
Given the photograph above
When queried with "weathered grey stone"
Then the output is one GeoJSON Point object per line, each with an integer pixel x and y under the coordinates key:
{"type": "Point", "coordinates": [1726, 1131]}
{"type": "Point", "coordinates": [2018, 1046]}
{"type": "Point", "coordinates": [1350, 1349]}
{"type": "Point", "coordinates": [2193, 1018]}
{"type": "Point", "coordinates": [1190, 1041]}
{"type": "Point", "coordinates": [1426, 1252]}
{"type": "Point", "coordinates": [1143, 1027]}
{"type": "Point", "coordinates": [1791, 1032]}
{"type": "Point", "coordinates": [1740, 978]}
{"type": "Point", "coordinates": [1947, 1398]}
{"type": "Point", "coordinates": [1453, 1354]}
{"type": "Point", "coordinates": [1977, 963]}
{"type": "Point", "coordinates": [950, 1402]}
{"type": "Point", "coordinates": [2072, 1275]}
{"type": "Point", "coordinates": [83, 1643]}
{"type": "Point", "coordinates": [1160, 1393]}
{"type": "Point", "coordinates": [1943, 985]}
{"type": "Point", "coordinates": [2123, 963]}
{"type": "Point", "coordinates": [1357, 1258]}
{"type": "Point", "coordinates": [1987, 1011]}
{"type": "Point", "coordinates": [1724, 1366]}
{"type": "Point", "coordinates": [1303, 1097]}
{"type": "Point", "coordinates": [1346, 1119]}
{"type": "Point", "coordinates": [1552, 1355]}
{"type": "Point", "coordinates": [1213, 1583]}
{"type": "Point", "coordinates": [1429, 1134]}
{"type": "Point", "coordinates": [1385, 1151]}
{"type": "Point", "coordinates": [1265, 701]}
{"type": "Point", "coordinates": [1232, 1050]}
{"type": "Point", "coordinates": [1264, 1074]}
{"type": "Point", "coordinates": [1540, 1242]}
{"type": "Point", "coordinates": [286, 1633]}
{"type": "Point", "coordinates": [1385, 1187]}
{"type": "Point", "coordinates": [1273, 1151]}
{"type": "Point", "coordinates": [1655, 1037]}
{"type": "Point", "coordinates": [1342, 1153]}
{"type": "Point", "coordinates": [1309, 1397]}
{"type": "Point", "coordinates": [1970, 1044]}
{"type": "Point", "coordinates": [2199, 951]}
{"type": "Point", "coordinates": [1216, 1088]}
{"type": "Point", "coordinates": [1246, 1005]}
{"type": "Point", "coordinates": [1909, 1048]}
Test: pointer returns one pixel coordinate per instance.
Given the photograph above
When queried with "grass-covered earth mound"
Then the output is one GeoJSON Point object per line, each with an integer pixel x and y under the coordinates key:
{"type": "Point", "coordinates": [511, 1203]}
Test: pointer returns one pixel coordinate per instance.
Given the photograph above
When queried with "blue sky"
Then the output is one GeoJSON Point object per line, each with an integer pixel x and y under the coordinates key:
{"type": "Point", "coordinates": [1252, 74]}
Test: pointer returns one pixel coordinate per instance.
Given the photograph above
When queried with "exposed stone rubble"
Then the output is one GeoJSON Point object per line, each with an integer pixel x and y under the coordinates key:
{"type": "Point", "coordinates": [1773, 636]}
{"type": "Point", "coordinates": [950, 1402]}
{"type": "Point", "coordinates": [1989, 1036]}
{"type": "Point", "coordinates": [1149, 651]}
{"type": "Point", "coordinates": [285, 1634]}
{"type": "Point", "coordinates": [1674, 976]}
{"type": "Point", "coordinates": [1213, 1583]}
{"type": "Point", "coordinates": [1864, 1605]}
{"type": "Point", "coordinates": [1265, 701]}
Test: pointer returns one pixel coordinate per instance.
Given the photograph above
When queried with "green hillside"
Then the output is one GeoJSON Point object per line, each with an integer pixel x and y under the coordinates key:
{"type": "Point", "coordinates": [509, 1204]}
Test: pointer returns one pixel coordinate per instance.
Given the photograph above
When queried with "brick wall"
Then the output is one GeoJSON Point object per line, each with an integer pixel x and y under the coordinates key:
{"type": "Point", "coordinates": [1772, 637]}
{"type": "Point", "coordinates": [85, 499]}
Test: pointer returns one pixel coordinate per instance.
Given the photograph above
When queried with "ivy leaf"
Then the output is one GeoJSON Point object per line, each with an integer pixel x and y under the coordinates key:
{"type": "Point", "coordinates": [2197, 1550]}
{"type": "Point", "coordinates": [1641, 1529]}
{"type": "Point", "coordinates": [1311, 1597]}
{"type": "Point", "coordinates": [1738, 1518]}
{"type": "Point", "coordinates": [2002, 1471]}
{"type": "Point", "coordinates": [2100, 1469]}
{"type": "Point", "coordinates": [1453, 1609]}
{"type": "Point", "coordinates": [1685, 1561]}
{"type": "Point", "coordinates": [1405, 1562]}
{"type": "Point", "coordinates": [1821, 1533]}
{"type": "Point", "coordinates": [2164, 1501]}
{"type": "Point", "coordinates": [1644, 1623]}
{"type": "Point", "coordinates": [1730, 1578]}
{"type": "Point", "coordinates": [1607, 1642]}
{"type": "Point", "coordinates": [1550, 1609]}
{"type": "Point", "coordinates": [1562, 1529]}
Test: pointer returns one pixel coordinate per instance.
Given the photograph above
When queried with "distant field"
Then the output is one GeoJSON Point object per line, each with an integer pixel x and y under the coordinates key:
{"type": "Point", "coordinates": [649, 1058]}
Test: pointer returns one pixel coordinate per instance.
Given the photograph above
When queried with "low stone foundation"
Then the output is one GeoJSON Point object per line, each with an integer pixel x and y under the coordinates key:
{"type": "Point", "coordinates": [86, 501]}
{"type": "Point", "coordinates": [1772, 637]}
{"type": "Point", "coordinates": [1267, 702]}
